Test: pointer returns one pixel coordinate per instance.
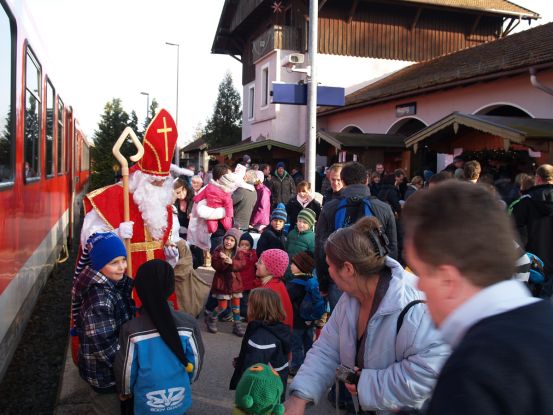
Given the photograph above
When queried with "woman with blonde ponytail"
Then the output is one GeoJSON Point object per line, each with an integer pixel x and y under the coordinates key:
{"type": "Point", "coordinates": [380, 329]}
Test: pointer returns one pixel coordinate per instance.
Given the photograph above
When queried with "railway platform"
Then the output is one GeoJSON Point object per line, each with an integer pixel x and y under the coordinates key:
{"type": "Point", "coordinates": [210, 394]}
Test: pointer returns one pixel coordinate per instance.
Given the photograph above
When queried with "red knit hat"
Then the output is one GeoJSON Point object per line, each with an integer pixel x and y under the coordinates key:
{"type": "Point", "coordinates": [276, 262]}
{"type": "Point", "coordinates": [159, 145]}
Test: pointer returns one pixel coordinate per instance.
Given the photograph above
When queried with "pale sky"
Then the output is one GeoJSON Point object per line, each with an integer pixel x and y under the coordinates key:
{"type": "Point", "coordinates": [106, 49]}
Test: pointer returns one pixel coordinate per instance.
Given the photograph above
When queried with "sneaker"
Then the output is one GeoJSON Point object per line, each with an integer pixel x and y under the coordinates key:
{"type": "Point", "coordinates": [239, 329]}
{"type": "Point", "coordinates": [211, 323]}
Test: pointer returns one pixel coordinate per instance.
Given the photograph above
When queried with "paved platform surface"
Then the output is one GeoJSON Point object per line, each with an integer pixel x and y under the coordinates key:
{"type": "Point", "coordinates": [210, 394]}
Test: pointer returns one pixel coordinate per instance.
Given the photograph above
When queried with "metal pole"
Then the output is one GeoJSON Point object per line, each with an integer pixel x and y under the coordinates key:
{"type": "Point", "coordinates": [176, 158]}
{"type": "Point", "coordinates": [310, 148]}
{"type": "Point", "coordinates": [177, 152]}
{"type": "Point", "coordinates": [147, 103]}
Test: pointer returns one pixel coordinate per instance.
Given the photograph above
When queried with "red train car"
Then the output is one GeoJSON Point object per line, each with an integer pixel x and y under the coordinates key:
{"type": "Point", "coordinates": [44, 168]}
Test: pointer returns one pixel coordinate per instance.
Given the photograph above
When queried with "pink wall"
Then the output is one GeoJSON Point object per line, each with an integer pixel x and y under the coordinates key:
{"type": "Point", "coordinates": [516, 91]}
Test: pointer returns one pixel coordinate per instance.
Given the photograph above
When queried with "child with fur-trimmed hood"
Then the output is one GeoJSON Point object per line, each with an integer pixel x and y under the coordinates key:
{"type": "Point", "coordinates": [227, 284]}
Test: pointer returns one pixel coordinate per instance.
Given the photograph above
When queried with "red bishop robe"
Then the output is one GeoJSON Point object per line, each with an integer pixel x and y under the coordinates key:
{"type": "Point", "coordinates": [108, 204]}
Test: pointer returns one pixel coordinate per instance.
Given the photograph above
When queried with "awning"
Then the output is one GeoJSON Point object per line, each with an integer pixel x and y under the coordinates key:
{"type": "Point", "coordinates": [359, 140]}
{"type": "Point", "coordinates": [196, 145]}
{"type": "Point", "coordinates": [526, 131]}
{"type": "Point", "coordinates": [249, 145]}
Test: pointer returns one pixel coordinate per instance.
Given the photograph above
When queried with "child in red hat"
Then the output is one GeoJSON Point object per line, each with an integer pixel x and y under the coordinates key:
{"type": "Point", "coordinates": [270, 270]}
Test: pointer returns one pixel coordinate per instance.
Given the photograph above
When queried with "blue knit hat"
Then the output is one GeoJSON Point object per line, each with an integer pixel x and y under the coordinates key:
{"type": "Point", "coordinates": [104, 247]}
{"type": "Point", "coordinates": [280, 164]}
{"type": "Point", "coordinates": [279, 212]}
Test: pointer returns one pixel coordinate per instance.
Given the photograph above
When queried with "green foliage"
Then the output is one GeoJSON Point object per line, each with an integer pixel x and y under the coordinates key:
{"type": "Point", "coordinates": [133, 122]}
{"type": "Point", "coordinates": [6, 161]}
{"type": "Point", "coordinates": [151, 112]}
{"type": "Point", "coordinates": [113, 121]}
{"type": "Point", "coordinates": [224, 127]}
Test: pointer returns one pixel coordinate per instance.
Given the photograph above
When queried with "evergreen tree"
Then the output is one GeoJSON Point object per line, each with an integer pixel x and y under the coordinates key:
{"type": "Point", "coordinates": [133, 122]}
{"type": "Point", "coordinates": [6, 149]}
{"type": "Point", "coordinates": [224, 127]}
{"type": "Point", "coordinates": [113, 122]}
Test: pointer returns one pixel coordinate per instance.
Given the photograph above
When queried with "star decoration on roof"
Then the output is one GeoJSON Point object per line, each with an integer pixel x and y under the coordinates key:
{"type": "Point", "coordinates": [277, 7]}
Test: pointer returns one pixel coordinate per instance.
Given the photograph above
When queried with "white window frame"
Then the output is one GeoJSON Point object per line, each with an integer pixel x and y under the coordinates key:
{"type": "Point", "coordinates": [265, 100]}
{"type": "Point", "coordinates": [251, 102]}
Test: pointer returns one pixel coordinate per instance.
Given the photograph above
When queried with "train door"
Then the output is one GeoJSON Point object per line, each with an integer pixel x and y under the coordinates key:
{"type": "Point", "coordinates": [71, 148]}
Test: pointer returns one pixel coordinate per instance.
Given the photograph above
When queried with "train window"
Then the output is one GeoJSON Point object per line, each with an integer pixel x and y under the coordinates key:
{"type": "Point", "coordinates": [33, 97]}
{"type": "Point", "coordinates": [61, 138]}
{"type": "Point", "coordinates": [7, 39]}
{"type": "Point", "coordinates": [50, 108]}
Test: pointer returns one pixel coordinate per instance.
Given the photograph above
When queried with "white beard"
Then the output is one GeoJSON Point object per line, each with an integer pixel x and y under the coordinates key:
{"type": "Point", "coordinates": [152, 201]}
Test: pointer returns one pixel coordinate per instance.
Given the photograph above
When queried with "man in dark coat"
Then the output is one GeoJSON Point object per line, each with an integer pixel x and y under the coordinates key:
{"type": "Point", "coordinates": [282, 187]}
{"type": "Point", "coordinates": [502, 337]}
{"type": "Point", "coordinates": [534, 219]}
{"type": "Point", "coordinates": [354, 178]}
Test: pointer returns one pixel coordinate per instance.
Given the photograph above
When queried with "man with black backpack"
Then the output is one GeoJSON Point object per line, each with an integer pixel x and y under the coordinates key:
{"type": "Point", "coordinates": [534, 220]}
{"type": "Point", "coordinates": [355, 201]}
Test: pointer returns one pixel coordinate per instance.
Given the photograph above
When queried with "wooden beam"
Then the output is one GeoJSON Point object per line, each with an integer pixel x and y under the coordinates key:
{"type": "Point", "coordinates": [416, 19]}
{"type": "Point", "coordinates": [474, 26]}
{"type": "Point", "coordinates": [352, 10]}
{"type": "Point", "coordinates": [510, 27]}
{"type": "Point", "coordinates": [238, 59]}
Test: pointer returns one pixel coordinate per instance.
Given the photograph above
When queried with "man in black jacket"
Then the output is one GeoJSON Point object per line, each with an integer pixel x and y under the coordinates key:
{"type": "Point", "coordinates": [534, 219]}
{"type": "Point", "coordinates": [502, 337]}
{"type": "Point", "coordinates": [354, 179]}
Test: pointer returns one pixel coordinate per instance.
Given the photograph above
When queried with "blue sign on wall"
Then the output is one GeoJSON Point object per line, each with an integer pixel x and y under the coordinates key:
{"type": "Point", "coordinates": [296, 94]}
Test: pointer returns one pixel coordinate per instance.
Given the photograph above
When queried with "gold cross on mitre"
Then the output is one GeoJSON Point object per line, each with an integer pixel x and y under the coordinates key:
{"type": "Point", "coordinates": [164, 131]}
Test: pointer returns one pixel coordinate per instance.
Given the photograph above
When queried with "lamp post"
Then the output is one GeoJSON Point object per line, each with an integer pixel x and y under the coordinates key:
{"type": "Point", "coordinates": [177, 155]}
{"type": "Point", "coordinates": [147, 104]}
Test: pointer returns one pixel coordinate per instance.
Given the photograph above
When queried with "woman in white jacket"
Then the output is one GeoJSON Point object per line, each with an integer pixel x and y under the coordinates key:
{"type": "Point", "coordinates": [395, 369]}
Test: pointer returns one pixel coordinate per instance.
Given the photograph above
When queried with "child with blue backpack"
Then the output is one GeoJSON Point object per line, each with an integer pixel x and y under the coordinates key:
{"type": "Point", "coordinates": [161, 351]}
{"type": "Point", "coordinates": [308, 306]}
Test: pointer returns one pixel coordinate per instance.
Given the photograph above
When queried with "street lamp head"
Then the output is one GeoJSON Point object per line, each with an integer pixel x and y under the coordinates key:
{"type": "Point", "coordinates": [145, 93]}
{"type": "Point", "coordinates": [172, 44]}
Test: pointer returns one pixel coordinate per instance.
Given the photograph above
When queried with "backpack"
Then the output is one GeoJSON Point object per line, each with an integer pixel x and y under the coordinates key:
{"type": "Point", "coordinates": [313, 306]}
{"type": "Point", "coordinates": [350, 209]}
{"type": "Point", "coordinates": [540, 286]}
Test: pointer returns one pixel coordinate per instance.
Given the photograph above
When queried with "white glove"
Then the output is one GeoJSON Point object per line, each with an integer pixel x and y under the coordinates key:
{"type": "Point", "coordinates": [171, 251]}
{"type": "Point", "coordinates": [125, 230]}
{"type": "Point", "coordinates": [171, 254]}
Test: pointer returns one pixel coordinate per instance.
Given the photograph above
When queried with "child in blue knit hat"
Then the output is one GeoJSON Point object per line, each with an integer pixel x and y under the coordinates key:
{"type": "Point", "coordinates": [273, 235]}
{"type": "Point", "coordinates": [102, 297]}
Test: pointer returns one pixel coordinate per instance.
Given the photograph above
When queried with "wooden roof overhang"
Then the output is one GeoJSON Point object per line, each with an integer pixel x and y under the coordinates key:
{"type": "Point", "coordinates": [196, 145]}
{"type": "Point", "coordinates": [530, 132]}
{"type": "Point", "coordinates": [360, 140]}
{"type": "Point", "coordinates": [238, 20]}
{"type": "Point", "coordinates": [510, 56]}
{"type": "Point", "coordinates": [249, 145]}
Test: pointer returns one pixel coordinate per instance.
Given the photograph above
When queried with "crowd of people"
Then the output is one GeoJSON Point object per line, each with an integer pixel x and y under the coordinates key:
{"type": "Point", "coordinates": [379, 293]}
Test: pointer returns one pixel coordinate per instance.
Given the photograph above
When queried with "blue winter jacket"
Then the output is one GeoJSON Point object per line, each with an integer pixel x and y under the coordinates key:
{"type": "Point", "coordinates": [146, 368]}
{"type": "Point", "coordinates": [398, 371]}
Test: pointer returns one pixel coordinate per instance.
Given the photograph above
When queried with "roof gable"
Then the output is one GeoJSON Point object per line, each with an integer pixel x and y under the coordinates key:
{"type": "Point", "coordinates": [490, 6]}
{"type": "Point", "coordinates": [518, 51]}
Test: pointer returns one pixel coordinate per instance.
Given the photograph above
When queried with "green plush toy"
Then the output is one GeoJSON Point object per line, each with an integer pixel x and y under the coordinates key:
{"type": "Point", "coordinates": [258, 392]}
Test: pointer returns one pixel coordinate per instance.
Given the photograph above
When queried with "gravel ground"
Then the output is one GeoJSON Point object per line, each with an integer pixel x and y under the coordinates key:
{"type": "Point", "coordinates": [33, 377]}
